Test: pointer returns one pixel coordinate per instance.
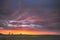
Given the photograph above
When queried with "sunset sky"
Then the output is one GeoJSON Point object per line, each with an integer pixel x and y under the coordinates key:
{"type": "Point", "coordinates": [44, 13]}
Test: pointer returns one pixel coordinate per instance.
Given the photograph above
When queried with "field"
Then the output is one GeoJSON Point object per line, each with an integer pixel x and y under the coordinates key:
{"type": "Point", "coordinates": [29, 37]}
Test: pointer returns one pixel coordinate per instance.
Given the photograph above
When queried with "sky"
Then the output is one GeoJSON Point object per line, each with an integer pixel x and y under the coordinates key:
{"type": "Point", "coordinates": [42, 12]}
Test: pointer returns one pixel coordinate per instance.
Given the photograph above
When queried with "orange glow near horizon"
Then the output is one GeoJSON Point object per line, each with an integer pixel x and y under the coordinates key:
{"type": "Point", "coordinates": [28, 32]}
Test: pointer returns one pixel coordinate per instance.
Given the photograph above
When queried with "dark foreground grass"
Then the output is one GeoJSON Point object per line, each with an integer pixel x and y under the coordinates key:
{"type": "Point", "coordinates": [29, 37]}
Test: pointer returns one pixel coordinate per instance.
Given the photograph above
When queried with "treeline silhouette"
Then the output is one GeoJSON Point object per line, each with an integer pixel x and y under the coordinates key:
{"type": "Point", "coordinates": [1, 34]}
{"type": "Point", "coordinates": [9, 34]}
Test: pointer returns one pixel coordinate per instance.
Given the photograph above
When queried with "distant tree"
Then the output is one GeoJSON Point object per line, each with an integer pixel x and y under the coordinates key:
{"type": "Point", "coordinates": [1, 34]}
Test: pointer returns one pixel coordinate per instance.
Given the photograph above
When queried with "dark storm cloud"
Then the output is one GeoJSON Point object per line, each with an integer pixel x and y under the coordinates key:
{"type": "Point", "coordinates": [47, 10]}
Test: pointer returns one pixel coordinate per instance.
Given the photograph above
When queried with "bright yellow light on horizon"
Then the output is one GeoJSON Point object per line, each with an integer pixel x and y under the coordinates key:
{"type": "Point", "coordinates": [28, 32]}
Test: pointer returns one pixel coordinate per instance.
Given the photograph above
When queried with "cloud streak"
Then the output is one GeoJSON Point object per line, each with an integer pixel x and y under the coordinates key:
{"type": "Point", "coordinates": [41, 12]}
